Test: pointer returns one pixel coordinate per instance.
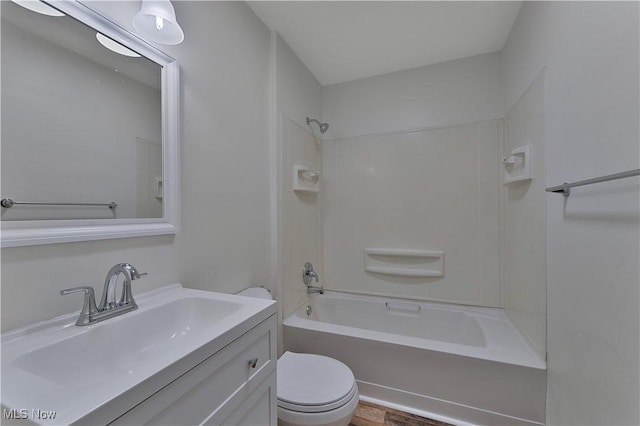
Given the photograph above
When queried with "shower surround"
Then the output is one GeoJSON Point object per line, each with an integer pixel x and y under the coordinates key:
{"type": "Point", "coordinates": [418, 191]}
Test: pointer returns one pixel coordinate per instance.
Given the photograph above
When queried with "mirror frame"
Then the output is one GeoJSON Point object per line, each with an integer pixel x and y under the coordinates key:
{"type": "Point", "coordinates": [37, 232]}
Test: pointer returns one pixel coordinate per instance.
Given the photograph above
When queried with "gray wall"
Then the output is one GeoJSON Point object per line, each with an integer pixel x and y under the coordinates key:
{"type": "Point", "coordinates": [591, 54]}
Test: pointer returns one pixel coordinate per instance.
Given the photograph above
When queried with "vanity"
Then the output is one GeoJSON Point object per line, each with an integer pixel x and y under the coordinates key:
{"type": "Point", "coordinates": [183, 357]}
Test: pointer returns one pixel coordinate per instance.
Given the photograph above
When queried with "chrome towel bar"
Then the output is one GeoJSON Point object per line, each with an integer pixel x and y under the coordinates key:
{"type": "Point", "coordinates": [7, 203]}
{"type": "Point", "coordinates": [564, 188]}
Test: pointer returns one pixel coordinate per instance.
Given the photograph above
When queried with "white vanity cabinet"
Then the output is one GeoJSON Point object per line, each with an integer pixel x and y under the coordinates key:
{"type": "Point", "coordinates": [234, 386]}
{"type": "Point", "coordinates": [184, 357]}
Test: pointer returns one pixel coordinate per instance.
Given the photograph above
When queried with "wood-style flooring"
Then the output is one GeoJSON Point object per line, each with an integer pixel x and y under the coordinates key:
{"type": "Point", "coordinates": [375, 415]}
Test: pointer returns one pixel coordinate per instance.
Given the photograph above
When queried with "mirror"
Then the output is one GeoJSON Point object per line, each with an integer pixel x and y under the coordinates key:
{"type": "Point", "coordinates": [89, 136]}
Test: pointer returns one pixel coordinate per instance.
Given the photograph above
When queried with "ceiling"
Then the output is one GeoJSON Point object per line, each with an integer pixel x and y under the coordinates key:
{"type": "Point", "coordinates": [346, 40]}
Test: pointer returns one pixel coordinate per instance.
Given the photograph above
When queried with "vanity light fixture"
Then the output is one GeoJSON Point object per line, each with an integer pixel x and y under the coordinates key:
{"type": "Point", "coordinates": [115, 46]}
{"type": "Point", "coordinates": [39, 7]}
{"type": "Point", "coordinates": [157, 22]}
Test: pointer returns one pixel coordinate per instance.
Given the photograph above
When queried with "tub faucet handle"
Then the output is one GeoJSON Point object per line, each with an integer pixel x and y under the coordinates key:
{"type": "Point", "coordinates": [308, 274]}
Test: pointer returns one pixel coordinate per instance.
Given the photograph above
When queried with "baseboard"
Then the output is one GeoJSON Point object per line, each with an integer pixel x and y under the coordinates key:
{"type": "Point", "coordinates": [434, 408]}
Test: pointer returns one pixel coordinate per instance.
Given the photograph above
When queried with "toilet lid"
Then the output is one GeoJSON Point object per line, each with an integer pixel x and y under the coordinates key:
{"type": "Point", "coordinates": [307, 380]}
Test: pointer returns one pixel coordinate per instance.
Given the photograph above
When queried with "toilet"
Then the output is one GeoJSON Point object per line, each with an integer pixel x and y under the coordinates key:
{"type": "Point", "coordinates": [313, 390]}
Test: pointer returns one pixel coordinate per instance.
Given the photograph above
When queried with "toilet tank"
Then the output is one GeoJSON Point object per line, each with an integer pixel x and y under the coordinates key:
{"type": "Point", "coordinates": [257, 292]}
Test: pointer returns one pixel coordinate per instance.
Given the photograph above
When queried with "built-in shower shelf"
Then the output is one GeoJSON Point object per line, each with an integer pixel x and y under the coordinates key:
{"type": "Point", "coordinates": [405, 263]}
{"type": "Point", "coordinates": [306, 180]}
{"type": "Point", "coordinates": [518, 167]}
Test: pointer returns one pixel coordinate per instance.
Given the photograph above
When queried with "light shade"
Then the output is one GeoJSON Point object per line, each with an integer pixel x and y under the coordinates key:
{"type": "Point", "coordinates": [115, 46]}
{"type": "Point", "coordinates": [157, 22]}
{"type": "Point", "coordinates": [38, 6]}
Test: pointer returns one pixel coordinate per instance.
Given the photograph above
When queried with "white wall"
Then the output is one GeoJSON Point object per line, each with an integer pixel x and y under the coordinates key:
{"type": "Point", "coordinates": [298, 97]}
{"type": "Point", "coordinates": [432, 189]}
{"type": "Point", "coordinates": [225, 238]}
{"type": "Point", "coordinates": [455, 92]}
{"type": "Point", "coordinates": [591, 54]}
{"type": "Point", "coordinates": [299, 93]}
{"type": "Point", "coordinates": [523, 220]}
{"type": "Point", "coordinates": [226, 234]}
{"type": "Point", "coordinates": [109, 111]}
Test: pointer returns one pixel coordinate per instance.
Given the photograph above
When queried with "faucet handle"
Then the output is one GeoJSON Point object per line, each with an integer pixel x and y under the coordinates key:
{"type": "Point", "coordinates": [89, 306]}
{"type": "Point", "coordinates": [308, 274]}
{"type": "Point", "coordinates": [127, 294]}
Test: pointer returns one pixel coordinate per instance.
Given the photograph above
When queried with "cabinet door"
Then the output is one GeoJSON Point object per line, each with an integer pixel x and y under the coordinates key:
{"type": "Point", "coordinates": [258, 409]}
{"type": "Point", "coordinates": [214, 387]}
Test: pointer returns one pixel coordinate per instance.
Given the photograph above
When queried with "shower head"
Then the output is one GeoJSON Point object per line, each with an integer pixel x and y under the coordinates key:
{"type": "Point", "coordinates": [323, 126]}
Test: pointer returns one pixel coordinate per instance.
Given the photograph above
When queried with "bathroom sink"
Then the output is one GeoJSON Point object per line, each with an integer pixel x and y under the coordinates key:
{"type": "Point", "coordinates": [100, 353]}
{"type": "Point", "coordinates": [79, 371]}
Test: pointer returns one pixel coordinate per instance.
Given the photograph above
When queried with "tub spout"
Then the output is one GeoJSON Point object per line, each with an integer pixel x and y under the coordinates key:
{"type": "Point", "coordinates": [312, 290]}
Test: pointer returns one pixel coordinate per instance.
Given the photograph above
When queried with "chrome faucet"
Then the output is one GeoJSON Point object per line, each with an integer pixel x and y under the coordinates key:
{"type": "Point", "coordinates": [308, 274]}
{"type": "Point", "coordinates": [108, 300]}
{"type": "Point", "coordinates": [108, 307]}
{"type": "Point", "coordinates": [311, 289]}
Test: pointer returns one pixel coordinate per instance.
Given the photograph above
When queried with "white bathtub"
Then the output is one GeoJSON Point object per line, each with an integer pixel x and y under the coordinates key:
{"type": "Point", "coordinates": [461, 363]}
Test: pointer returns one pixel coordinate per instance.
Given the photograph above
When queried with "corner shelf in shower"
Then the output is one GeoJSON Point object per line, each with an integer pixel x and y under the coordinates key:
{"type": "Point", "coordinates": [518, 167]}
{"type": "Point", "coordinates": [405, 263]}
{"type": "Point", "coordinates": [306, 180]}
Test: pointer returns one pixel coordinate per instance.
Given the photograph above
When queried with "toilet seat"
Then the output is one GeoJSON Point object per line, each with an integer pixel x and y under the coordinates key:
{"type": "Point", "coordinates": [310, 383]}
{"type": "Point", "coordinates": [301, 408]}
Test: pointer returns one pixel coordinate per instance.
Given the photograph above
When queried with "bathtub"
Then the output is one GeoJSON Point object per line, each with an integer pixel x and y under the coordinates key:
{"type": "Point", "coordinates": [462, 364]}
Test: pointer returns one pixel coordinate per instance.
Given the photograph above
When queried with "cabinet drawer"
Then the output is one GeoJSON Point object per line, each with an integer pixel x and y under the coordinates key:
{"type": "Point", "coordinates": [199, 393]}
{"type": "Point", "coordinates": [258, 408]}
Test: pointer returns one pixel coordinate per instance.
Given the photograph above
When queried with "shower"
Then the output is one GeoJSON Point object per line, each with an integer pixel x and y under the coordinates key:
{"type": "Point", "coordinates": [323, 126]}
